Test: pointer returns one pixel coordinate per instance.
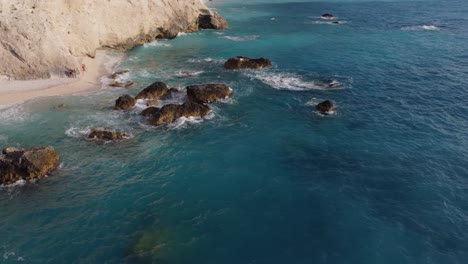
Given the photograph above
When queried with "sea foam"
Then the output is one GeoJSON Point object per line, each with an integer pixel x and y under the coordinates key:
{"type": "Point", "coordinates": [241, 39]}
{"type": "Point", "coordinates": [292, 81]}
{"type": "Point", "coordinates": [421, 28]}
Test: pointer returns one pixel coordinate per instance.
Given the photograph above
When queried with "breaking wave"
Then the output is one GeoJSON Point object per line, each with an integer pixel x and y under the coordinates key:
{"type": "Point", "coordinates": [293, 82]}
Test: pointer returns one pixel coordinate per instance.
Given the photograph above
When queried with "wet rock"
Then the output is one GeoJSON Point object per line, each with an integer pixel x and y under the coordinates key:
{"type": "Point", "coordinates": [325, 107]}
{"type": "Point", "coordinates": [125, 102]}
{"type": "Point", "coordinates": [121, 84]}
{"type": "Point", "coordinates": [151, 102]}
{"type": "Point", "coordinates": [327, 16]}
{"type": "Point", "coordinates": [169, 113]}
{"type": "Point", "coordinates": [107, 135]}
{"type": "Point", "coordinates": [212, 20]}
{"type": "Point", "coordinates": [240, 62]}
{"type": "Point", "coordinates": [150, 111]}
{"type": "Point", "coordinates": [60, 106]}
{"type": "Point", "coordinates": [27, 164]}
{"type": "Point", "coordinates": [117, 74]}
{"type": "Point", "coordinates": [208, 93]}
{"type": "Point", "coordinates": [154, 91]}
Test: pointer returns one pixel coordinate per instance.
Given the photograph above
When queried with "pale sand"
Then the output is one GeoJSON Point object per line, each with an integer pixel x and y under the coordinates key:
{"type": "Point", "coordinates": [12, 92]}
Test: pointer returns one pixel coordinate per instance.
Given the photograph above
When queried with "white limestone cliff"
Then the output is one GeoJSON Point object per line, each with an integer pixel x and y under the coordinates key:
{"type": "Point", "coordinates": [43, 38]}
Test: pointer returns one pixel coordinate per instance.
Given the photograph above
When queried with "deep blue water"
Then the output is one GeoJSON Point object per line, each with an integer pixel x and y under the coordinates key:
{"type": "Point", "coordinates": [265, 179]}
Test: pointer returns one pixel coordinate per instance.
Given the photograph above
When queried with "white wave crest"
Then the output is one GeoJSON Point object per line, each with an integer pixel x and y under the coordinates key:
{"type": "Point", "coordinates": [188, 73]}
{"type": "Point", "coordinates": [421, 28]}
{"type": "Point", "coordinates": [240, 39]}
{"type": "Point", "coordinates": [77, 132]}
{"type": "Point", "coordinates": [182, 122]}
{"type": "Point", "coordinates": [16, 184]}
{"type": "Point", "coordinates": [209, 60]}
{"type": "Point", "coordinates": [157, 44]}
{"type": "Point", "coordinates": [291, 81]}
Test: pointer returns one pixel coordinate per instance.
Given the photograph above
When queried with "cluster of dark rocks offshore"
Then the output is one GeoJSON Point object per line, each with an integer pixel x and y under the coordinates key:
{"type": "Point", "coordinates": [35, 163]}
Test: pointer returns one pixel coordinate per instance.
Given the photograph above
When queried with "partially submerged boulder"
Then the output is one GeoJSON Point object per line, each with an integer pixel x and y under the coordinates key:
{"type": "Point", "coordinates": [240, 62]}
{"type": "Point", "coordinates": [327, 16]}
{"type": "Point", "coordinates": [208, 93]}
{"type": "Point", "coordinates": [154, 91]}
{"type": "Point", "coordinates": [27, 164]}
{"type": "Point", "coordinates": [150, 111]}
{"type": "Point", "coordinates": [325, 107]}
{"type": "Point", "coordinates": [117, 74]}
{"type": "Point", "coordinates": [212, 20]}
{"type": "Point", "coordinates": [125, 102]}
{"type": "Point", "coordinates": [169, 113]}
{"type": "Point", "coordinates": [107, 135]}
{"type": "Point", "coordinates": [121, 84]}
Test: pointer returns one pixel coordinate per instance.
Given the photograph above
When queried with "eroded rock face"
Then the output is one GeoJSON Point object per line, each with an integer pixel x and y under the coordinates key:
{"type": "Point", "coordinates": [212, 20]}
{"type": "Point", "coordinates": [208, 93]}
{"type": "Point", "coordinates": [240, 62]}
{"type": "Point", "coordinates": [169, 113]}
{"type": "Point", "coordinates": [154, 91]}
{"type": "Point", "coordinates": [27, 164]}
{"type": "Point", "coordinates": [125, 102]}
{"type": "Point", "coordinates": [107, 135]}
{"type": "Point", "coordinates": [325, 107]}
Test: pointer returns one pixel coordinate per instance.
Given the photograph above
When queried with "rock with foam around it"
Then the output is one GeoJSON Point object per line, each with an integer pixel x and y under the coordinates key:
{"type": "Point", "coordinates": [169, 113]}
{"type": "Point", "coordinates": [27, 164]}
{"type": "Point", "coordinates": [208, 93]}
{"type": "Point", "coordinates": [240, 62]}
{"type": "Point", "coordinates": [107, 135]}
{"type": "Point", "coordinates": [325, 107]}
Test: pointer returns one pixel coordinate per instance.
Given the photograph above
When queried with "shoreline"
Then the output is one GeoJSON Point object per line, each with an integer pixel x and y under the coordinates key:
{"type": "Point", "coordinates": [15, 92]}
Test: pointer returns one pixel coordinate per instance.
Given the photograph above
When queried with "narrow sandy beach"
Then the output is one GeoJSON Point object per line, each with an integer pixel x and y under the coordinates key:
{"type": "Point", "coordinates": [12, 92]}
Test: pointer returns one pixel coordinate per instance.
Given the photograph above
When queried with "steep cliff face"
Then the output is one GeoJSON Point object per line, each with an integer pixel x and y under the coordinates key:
{"type": "Point", "coordinates": [41, 38]}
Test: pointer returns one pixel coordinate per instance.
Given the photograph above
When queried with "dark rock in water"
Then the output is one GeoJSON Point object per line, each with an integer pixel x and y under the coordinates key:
{"type": "Point", "coordinates": [116, 74]}
{"type": "Point", "coordinates": [246, 63]}
{"type": "Point", "coordinates": [107, 135]}
{"type": "Point", "coordinates": [120, 84]}
{"type": "Point", "coordinates": [327, 16]}
{"type": "Point", "coordinates": [169, 113]}
{"type": "Point", "coordinates": [125, 102]}
{"type": "Point", "coordinates": [154, 91]}
{"type": "Point", "coordinates": [208, 93]}
{"type": "Point", "coordinates": [150, 111]}
{"type": "Point", "coordinates": [61, 106]}
{"type": "Point", "coordinates": [325, 106]}
{"type": "Point", "coordinates": [212, 20]}
{"type": "Point", "coordinates": [27, 164]}
{"type": "Point", "coordinates": [336, 22]}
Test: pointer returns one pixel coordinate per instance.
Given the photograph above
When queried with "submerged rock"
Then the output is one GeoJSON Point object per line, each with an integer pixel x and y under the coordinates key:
{"type": "Point", "coordinates": [212, 20]}
{"type": "Point", "coordinates": [208, 93]}
{"type": "Point", "coordinates": [116, 74]}
{"type": "Point", "coordinates": [154, 91]}
{"type": "Point", "coordinates": [121, 84]}
{"type": "Point", "coordinates": [150, 111]}
{"type": "Point", "coordinates": [107, 135]}
{"type": "Point", "coordinates": [27, 164]}
{"type": "Point", "coordinates": [240, 62]}
{"type": "Point", "coordinates": [169, 113]}
{"type": "Point", "coordinates": [325, 107]}
{"type": "Point", "coordinates": [125, 102]}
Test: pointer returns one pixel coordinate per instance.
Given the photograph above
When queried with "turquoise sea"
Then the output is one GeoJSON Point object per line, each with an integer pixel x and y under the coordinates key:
{"type": "Point", "coordinates": [265, 179]}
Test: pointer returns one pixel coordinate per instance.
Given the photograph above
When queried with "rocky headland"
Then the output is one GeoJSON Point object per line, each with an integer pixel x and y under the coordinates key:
{"type": "Point", "coordinates": [42, 39]}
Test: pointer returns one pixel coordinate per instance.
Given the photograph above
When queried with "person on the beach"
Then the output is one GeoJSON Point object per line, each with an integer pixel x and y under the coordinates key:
{"type": "Point", "coordinates": [83, 67]}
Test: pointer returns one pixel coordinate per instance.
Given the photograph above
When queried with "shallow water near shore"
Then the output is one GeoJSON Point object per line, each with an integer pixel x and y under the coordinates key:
{"type": "Point", "coordinates": [264, 179]}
